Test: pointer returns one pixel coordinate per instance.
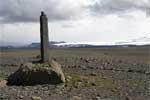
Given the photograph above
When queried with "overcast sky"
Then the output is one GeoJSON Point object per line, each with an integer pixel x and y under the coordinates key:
{"type": "Point", "coordinates": [75, 20]}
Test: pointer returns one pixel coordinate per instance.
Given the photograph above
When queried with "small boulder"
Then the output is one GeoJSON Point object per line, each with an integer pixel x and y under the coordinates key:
{"type": "Point", "coordinates": [76, 98]}
{"type": "Point", "coordinates": [36, 98]}
{"type": "Point", "coordinates": [32, 74]}
{"type": "Point", "coordinates": [3, 83]}
{"type": "Point", "coordinates": [96, 98]}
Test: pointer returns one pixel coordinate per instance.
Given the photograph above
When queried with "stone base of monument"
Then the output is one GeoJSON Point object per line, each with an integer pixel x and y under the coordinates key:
{"type": "Point", "coordinates": [33, 74]}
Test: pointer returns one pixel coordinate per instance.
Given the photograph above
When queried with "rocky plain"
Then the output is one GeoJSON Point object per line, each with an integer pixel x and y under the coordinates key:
{"type": "Point", "coordinates": [91, 74]}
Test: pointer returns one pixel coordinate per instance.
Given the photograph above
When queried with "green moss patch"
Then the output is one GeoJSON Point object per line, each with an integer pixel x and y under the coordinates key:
{"type": "Point", "coordinates": [2, 76]}
{"type": "Point", "coordinates": [80, 81]}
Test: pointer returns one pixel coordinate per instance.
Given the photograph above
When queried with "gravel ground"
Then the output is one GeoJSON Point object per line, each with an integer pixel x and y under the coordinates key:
{"type": "Point", "coordinates": [97, 76]}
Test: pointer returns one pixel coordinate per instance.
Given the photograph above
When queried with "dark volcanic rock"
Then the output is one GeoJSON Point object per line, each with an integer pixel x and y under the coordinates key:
{"type": "Point", "coordinates": [32, 74]}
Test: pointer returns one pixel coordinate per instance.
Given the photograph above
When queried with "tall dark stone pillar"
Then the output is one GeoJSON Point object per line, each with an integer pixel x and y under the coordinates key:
{"type": "Point", "coordinates": [44, 37]}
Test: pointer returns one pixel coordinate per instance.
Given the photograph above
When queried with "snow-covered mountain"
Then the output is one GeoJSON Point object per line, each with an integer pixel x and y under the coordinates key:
{"type": "Point", "coordinates": [137, 41]}
{"type": "Point", "coordinates": [79, 44]}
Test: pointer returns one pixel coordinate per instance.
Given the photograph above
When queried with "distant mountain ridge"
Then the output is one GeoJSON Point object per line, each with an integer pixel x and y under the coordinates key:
{"type": "Point", "coordinates": [51, 44]}
{"type": "Point", "coordinates": [35, 45]}
{"type": "Point", "coordinates": [142, 41]}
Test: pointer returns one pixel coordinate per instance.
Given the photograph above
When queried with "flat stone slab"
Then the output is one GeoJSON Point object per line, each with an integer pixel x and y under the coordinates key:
{"type": "Point", "coordinates": [32, 74]}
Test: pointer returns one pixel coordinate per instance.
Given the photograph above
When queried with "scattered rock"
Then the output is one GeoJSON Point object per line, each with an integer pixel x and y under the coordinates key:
{"type": "Point", "coordinates": [20, 97]}
{"type": "Point", "coordinates": [96, 98]}
{"type": "Point", "coordinates": [93, 84]}
{"type": "Point", "coordinates": [3, 83]}
{"type": "Point", "coordinates": [60, 86]}
{"type": "Point", "coordinates": [76, 98]}
{"type": "Point", "coordinates": [36, 98]}
{"type": "Point", "coordinates": [110, 84]}
{"type": "Point", "coordinates": [147, 72]}
{"type": "Point", "coordinates": [130, 70]}
{"type": "Point", "coordinates": [83, 67]}
{"type": "Point", "coordinates": [90, 67]}
{"type": "Point", "coordinates": [87, 60]}
{"type": "Point", "coordinates": [38, 56]}
{"type": "Point", "coordinates": [32, 74]}
{"type": "Point", "coordinates": [93, 74]}
{"type": "Point", "coordinates": [2, 97]}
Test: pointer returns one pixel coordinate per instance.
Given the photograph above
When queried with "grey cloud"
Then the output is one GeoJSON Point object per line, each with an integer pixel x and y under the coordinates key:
{"type": "Point", "coordinates": [102, 7]}
{"type": "Point", "coordinates": [148, 10]}
{"type": "Point", "coordinates": [14, 11]}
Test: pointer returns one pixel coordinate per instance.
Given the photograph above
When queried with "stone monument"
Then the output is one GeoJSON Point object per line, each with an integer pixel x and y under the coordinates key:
{"type": "Point", "coordinates": [46, 72]}
{"type": "Point", "coordinates": [44, 37]}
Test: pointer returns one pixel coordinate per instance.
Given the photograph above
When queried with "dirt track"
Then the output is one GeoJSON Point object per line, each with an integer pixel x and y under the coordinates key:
{"type": "Point", "coordinates": [92, 74]}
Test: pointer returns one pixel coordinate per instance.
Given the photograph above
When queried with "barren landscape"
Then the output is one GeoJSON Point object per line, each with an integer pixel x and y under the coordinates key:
{"type": "Point", "coordinates": [91, 74]}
